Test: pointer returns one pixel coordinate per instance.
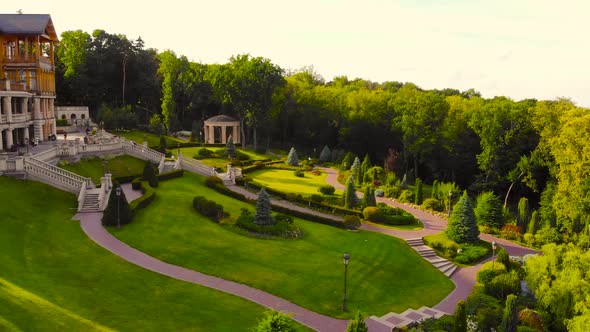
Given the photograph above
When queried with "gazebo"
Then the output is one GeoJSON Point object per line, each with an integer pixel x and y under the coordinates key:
{"type": "Point", "coordinates": [216, 129]}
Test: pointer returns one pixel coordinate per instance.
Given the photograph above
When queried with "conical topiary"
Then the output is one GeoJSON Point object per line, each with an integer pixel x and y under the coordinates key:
{"type": "Point", "coordinates": [369, 196]}
{"type": "Point", "coordinates": [109, 217]}
{"type": "Point", "coordinates": [488, 211]}
{"type": "Point", "coordinates": [326, 154]}
{"type": "Point", "coordinates": [354, 169]}
{"type": "Point", "coordinates": [149, 174]}
{"type": "Point", "coordinates": [350, 197]}
{"type": "Point", "coordinates": [292, 159]}
{"type": "Point", "coordinates": [263, 216]}
{"type": "Point", "coordinates": [462, 225]}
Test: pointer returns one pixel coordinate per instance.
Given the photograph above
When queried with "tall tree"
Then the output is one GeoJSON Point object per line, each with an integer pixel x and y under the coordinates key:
{"type": "Point", "coordinates": [263, 216]}
{"type": "Point", "coordinates": [462, 225]}
{"type": "Point", "coordinates": [510, 317]}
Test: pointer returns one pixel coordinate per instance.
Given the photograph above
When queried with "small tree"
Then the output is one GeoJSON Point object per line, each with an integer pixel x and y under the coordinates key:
{"type": "Point", "coordinates": [488, 211]}
{"type": "Point", "coordinates": [460, 324]}
{"type": "Point", "coordinates": [369, 196]}
{"type": "Point", "coordinates": [350, 198]}
{"type": "Point", "coordinates": [524, 212]}
{"type": "Point", "coordinates": [274, 321]}
{"type": "Point", "coordinates": [534, 223]}
{"type": "Point", "coordinates": [354, 169]}
{"type": "Point", "coordinates": [263, 216]}
{"type": "Point", "coordinates": [326, 154]}
{"type": "Point", "coordinates": [346, 162]}
{"type": "Point", "coordinates": [292, 159]}
{"type": "Point", "coordinates": [109, 217]}
{"type": "Point", "coordinates": [419, 196]}
{"type": "Point", "coordinates": [434, 192]}
{"type": "Point", "coordinates": [363, 170]}
{"type": "Point", "coordinates": [357, 324]}
{"type": "Point", "coordinates": [503, 257]}
{"type": "Point", "coordinates": [149, 174]}
{"type": "Point", "coordinates": [230, 148]}
{"type": "Point", "coordinates": [462, 225]}
{"type": "Point", "coordinates": [510, 317]}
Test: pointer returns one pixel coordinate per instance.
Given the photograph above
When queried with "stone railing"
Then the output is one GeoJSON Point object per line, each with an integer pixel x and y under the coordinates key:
{"type": "Point", "coordinates": [195, 166]}
{"type": "Point", "coordinates": [47, 156]}
{"type": "Point", "coordinates": [81, 197]}
{"type": "Point", "coordinates": [55, 176]}
{"type": "Point", "coordinates": [142, 152]}
{"type": "Point", "coordinates": [162, 165]}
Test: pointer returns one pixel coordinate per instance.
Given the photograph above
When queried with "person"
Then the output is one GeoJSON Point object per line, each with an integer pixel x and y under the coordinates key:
{"type": "Point", "coordinates": [65, 136]}
{"type": "Point", "coordinates": [87, 131]}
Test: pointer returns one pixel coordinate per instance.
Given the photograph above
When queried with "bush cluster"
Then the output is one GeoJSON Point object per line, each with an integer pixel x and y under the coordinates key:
{"type": "Point", "coordinates": [327, 189]}
{"type": "Point", "coordinates": [148, 196]}
{"type": "Point", "coordinates": [432, 204]}
{"type": "Point", "coordinates": [283, 227]}
{"type": "Point", "coordinates": [209, 209]}
{"type": "Point", "coordinates": [299, 173]}
{"type": "Point", "coordinates": [385, 214]}
{"type": "Point", "coordinates": [406, 196]}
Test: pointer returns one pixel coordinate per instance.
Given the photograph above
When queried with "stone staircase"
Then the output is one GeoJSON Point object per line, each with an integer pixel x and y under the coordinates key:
{"type": "Point", "coordinates": [410, 318]}
{"type": "Point", "coordinates": [444, 266]}
{"type": "Point", "coordinates": [91, 201]}
{"type": "Point", "coordinates": [168, 166]}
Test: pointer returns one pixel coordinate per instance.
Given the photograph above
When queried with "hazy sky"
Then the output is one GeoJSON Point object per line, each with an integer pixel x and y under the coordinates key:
{"type": "Point", "coordinates": [517, 48]}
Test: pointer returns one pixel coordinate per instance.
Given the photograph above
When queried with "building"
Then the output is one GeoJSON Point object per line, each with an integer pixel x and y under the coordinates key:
{"type": "Point", "coordinates": [27, 78]}
{"type": "Point", "coordinates": [75, 115]}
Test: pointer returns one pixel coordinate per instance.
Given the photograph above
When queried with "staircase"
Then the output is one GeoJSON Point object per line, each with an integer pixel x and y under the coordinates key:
{"type": "Point", "coordinates": [91, 201]}
{"type": "Point", "coordinates": [408, 318]}
{"type": "Point", "coordinates": [443, 265]}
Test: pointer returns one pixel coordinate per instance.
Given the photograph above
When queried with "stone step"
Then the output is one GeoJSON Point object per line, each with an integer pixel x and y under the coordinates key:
{"type": "Point", "coordinates": [437, 259]}
{"type": "Point", "coordinates": [415, 242]}
{"type": "Point", "coordinates": [430, 312]}
{"type": "Point", "coordinates": [414, 315]}
{"type": "Point", "coordinates": [396, 320]}
{"type": "Point", "coordinates": [450, 271]}
{"type": "Point", "coordinates": [428, 254]}
{"type": "Point", "coordinates": [442, 264]}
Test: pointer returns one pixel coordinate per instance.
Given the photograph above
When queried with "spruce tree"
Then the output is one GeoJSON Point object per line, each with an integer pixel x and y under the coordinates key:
{"type": "Point", "coordinates": [149, 174]}
{"type": "Point", "coordinates": [434, 193]}
{"type": "Point", "coordinates": [263, 216]}
{"type": "Point", "coordinates": [109, 217]}
{"type": "Point", "coordinates": [419, 197]}
{"type": "Point", "coordinates": [460, 324]}
{"type": "Point", "coordinates": [462, 225]}
{"type": "Point", "coordinates": [354, 169]}
{"type": "Point", "coordinates": [346, 162]}
{"type": "Point", "coordinates": [292, 159]}
{"type": "Point", "coordinates": [488, 211]}
{"type": "Point", "coordinates": [230, 148]}
{"type": "Point", "coordinates": [357, 324]}
{"type": "Point", "coordinates": [350, 198]}
{"type": "Point", "coordinates": [534, 223]}
{"type": "Point", "coordinates": [369, 196]}
{"type": "Point", "coordinates": [363, 170]}
{"type": "Point", "coordinates": [510, 316]}
{"type": "Point", "coordinates": [326, 154]}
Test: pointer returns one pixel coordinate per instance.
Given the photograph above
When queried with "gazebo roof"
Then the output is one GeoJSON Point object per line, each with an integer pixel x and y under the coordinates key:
{"type": "Point", "coordinates": [221, 118]}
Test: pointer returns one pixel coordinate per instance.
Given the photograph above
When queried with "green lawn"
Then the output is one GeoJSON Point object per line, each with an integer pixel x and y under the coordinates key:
{"type": "Point", "coordinates": [385, 274]}
{"type": "Point", "coordinates": [193, 151]}
{"type": "Point", "coordinates": [153, 140]}
{"type": "Point", "coordinates": [54, 278]}
{"type": "Point", "coordinates": [118, 166]}
{"type": "Point", "coordinates": [286, 181]}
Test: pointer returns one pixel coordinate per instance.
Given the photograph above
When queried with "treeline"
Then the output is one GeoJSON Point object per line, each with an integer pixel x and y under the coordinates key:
{"type": "Point", "coordinates": [534, 149]}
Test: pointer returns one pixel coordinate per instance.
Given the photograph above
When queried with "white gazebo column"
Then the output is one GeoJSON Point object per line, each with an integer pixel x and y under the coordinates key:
{"type": "Point", "coordinates": [211, 134]}
{"type": "Point", "coordinates": [223, 137]}
{"type": "Point", "coordinates": [205, 133]}
{"type": "Point", "coordinates": [7, 108]}
{"type": "Point", "coordinates": [9, 138]}
{"type": "Point", "coordinates": [236, 135]}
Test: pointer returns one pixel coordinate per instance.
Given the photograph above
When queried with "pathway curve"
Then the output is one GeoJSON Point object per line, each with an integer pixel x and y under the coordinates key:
{"type": "Point", "coordinates": [91, 224]}
{"type": "Point", "coordinates": [463, 278]}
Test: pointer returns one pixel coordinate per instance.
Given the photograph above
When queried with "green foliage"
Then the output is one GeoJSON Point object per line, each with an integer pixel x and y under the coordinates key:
{"type": "Point", "coordinates": [503, 257]}
{"type": "Point", "coordinates": [149, 174]}
{"type": "Point", "coordinates": [213, 181]}
{"type": "Point", "coordinates": [489, 271]}
{"type": "Point", "coordinates": [204, 153]}
{"type": "Point", "coordinates": [263, 216]}
{"type": "Point", "coordinates": [283, 226]}
{"type": "Point", "coordinates": [352, 222]}
{"type": "Point", "coordinates": [404, 184]}
{"type": "Point", "coordinates": [460, 324]}
{"type": "Point", "coordinates": [489, 210]}
{"type": "Point", "coordinates": [524, 213]}
{"type": "Point", "coordinates": [61, 122]}
{"type": "Point", "coordinates": [369, 197]}
{"type": "Point", "coordinates": [147, 197]}
{"type": "Point", "coordinates": [163, 144]}
{"type": "Point", "coordinates": [510, 316]}
{"type": "Point", "coordinates": [357, 324]}
{"type": "Point", "coordinates": [230, 148]}
{"type": "Point", "coordinates": [406, 196]}
{"type": "Point", "coordinates": [433, 205]}
{"type": "Point", "coordinates": [326, 154]}
{"type": "Point", "coordinates": [462, 226]}
{"type": "Point", "coordinates": [350, 197]}
{"type": "Point", "coordinates": [384, 214]}
{"type": "Point", "coordinates": [363, 169]}
{"type": "Point", "coordinates": [299, 173]}
{"type": "Point", "coordinates": [209, 209]}
{"type": "Point", "coordinates": [533, 223]}
{"type": "Point", "coordinates": [117, 211]}
{"type": "Point", "coordinates": [434, 194]}
{"type": "Point", "coordinates": [274, 321]}
{"type": "Point", "coordinates": [346, 162]}
{"type": "Point", "coordinates": [419, 197]}
{"type": "Point", "coordinates": [327, 189]}
{"type": "Point", "coordinates": [355, 169]}
{"type": "Point", "coordinates": [292, 159]}
{"type": "Point", "coordinates": [503, 285]}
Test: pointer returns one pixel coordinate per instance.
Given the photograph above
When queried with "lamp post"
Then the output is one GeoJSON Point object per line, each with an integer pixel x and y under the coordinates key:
{"type": "Point", "coordinates": [450, 201]}
{"type": "Point", "coordinates": [178, 146]}
{"type": "Point", "coordinates": [118, 192]}
{"type": "Point", "coordinates": [346, 258]}
{"type": "Point", "coordinates": [493, 254]}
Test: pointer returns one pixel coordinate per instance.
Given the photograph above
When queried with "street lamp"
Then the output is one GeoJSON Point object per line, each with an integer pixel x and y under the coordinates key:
{"type": "Point", "coordinates": [346, 258]}
{"type": "Point", "coordinates": [493, 254]}
{"type": "Point", "coordinates": [178, 146]}
{"type": "Point", "coordinates": [450, 201]}
{"type": "Point", "coordinates": [118, 192]}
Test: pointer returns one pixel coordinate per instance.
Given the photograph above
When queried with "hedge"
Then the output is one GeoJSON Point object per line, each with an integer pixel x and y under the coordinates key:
{"type": "Point", "coordinates": [149, 194]}
{"type": "Point", "coordinates": [126, 178]}
{"type": "Point", "coordinates": [387, 215]}
{"type": "Point", "coordinates": [170, 175]}
{"type": "Point", "coordinates": [209, 209]}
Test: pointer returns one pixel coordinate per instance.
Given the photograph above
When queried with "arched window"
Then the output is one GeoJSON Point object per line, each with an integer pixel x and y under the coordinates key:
{"type": "Point", "coordinates": [63, 116]}
{"type": "Point", "coordinates": [73, 116]}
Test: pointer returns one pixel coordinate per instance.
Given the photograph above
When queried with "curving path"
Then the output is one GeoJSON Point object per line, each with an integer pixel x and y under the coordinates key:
{"type": "Point", "coordinates": [91, 224]}
{"type": "Point", "coordinates": [463, 278]}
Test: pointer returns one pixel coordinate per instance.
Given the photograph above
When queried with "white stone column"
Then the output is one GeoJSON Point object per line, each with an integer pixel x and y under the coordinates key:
{"type": "Point", "coordinates": [1, 140]}
{"type": "Point", "coordinates": [236, 135]}
{"type": "Point", "coordinates": [26, 130]}
{"type": "Point", "coordinates": [8, 137]}
{"type": "Point", "coordinates": [37, 108]}
{"type": "Point", "coordinates": [205, 133]}
{"type": "Point", "coordinates": [223, 133]}
{"type": "Point", "coordinates": [25, 106]}
{"type": "Point", "coordinates": [6, 104]}
{"type": "Point", "coordinates": [211, 134]}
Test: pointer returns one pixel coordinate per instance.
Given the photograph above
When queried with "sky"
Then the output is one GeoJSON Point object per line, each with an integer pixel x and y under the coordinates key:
{"type": "Point", "coordinates": [515, 48]}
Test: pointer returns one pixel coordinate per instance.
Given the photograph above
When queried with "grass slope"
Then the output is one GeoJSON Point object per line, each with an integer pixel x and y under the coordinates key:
{"type": "Point", "coordinates": [54, 278]}
{"type": "Point", "coordinates": [118, 166]}
{"type": "Point", "coordinates": [286, 181]}
{"type": "Point", "coordinates": [384, 273]}
{"type": "Point", "coordinates": [152, 139]}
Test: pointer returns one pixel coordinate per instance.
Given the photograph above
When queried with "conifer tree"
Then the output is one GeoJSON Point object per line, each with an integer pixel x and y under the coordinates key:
{"type": "Point", "coordinates": [419, 197]}
{"type": "Point", "coordinates": [350, 198]}
{"type": "Point", "coordinates": [462, 225]}
{"type": "Point", "coordinates": [460, 324]}
{"type": "Point", "coordinates": [369, 196]}
{"type": "Point", "coordinates": [534, 223]}
{"type": "Point", "coordinates": [230, 148]}
{"type": "Point", "coordinates": [346, 162]}
{"type": "Point", "coordinates": [488, 211]}
{"type": "Point", "coordinates": [363, 170]}
{"type": "Point", "coordinates": [263, 216]}
{"type": "Point", "coordinates": [109, 217]}
{"type": "Point", "coordinates": [434, 193]}
{"type": "Point", "coordinates": [354, 169]}
{"type": "Point", "coordinates": [326, 154]}
{"type": "Point", "coordinates": [510, 317]}
{"type": "Point", "coordinates": [357, 324]}
{"type": "Point", "coordinates": [292, 159]}
{"type": "Point", "coordinates": [524, 212]}
{"type": "Point", "coordinates": [149, 174]}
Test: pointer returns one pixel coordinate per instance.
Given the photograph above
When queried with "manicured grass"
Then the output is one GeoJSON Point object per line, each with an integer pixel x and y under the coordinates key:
{"type": "Point", "coordinates": [118, 166]}
{"type": "Point", "coordinates": [152, 139]}
{"type": "Point", "coordinates": [385, 274]}
{"type": "Point", "coordinates": [470, 254]}
{"type": "Point", "coordinates": [286, 181]}
{"type": "Point", "coordinates": [193, 151]}
{"type": "Point", "coordinates": [413, 227]}
{"type": "Point", "coordinates": [54, 278]}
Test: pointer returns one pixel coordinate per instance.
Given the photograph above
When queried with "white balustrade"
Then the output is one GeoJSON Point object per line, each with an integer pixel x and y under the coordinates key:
{"type": "Point", "coordinates": [47, 155]}
{"type": "Point", "coordinates": [55, 176]}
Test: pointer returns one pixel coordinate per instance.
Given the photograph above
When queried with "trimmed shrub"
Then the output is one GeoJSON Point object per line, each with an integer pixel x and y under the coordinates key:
{"type": "Point", "coordinates": [148, 196]}
{"type": "Point", "coordinates": [533, 223]}
{"type": "Point", "coordinates": [350, 198]}
{"type": "Point", "coordinates": [204, 153]}
{"type": "Point", "coordinates": [357, 324]}
{"type": "Point", "coordinates": [274, 321]}
{"type": "Point", "coordinates": [327, 189]}
{"type": "Point", "coordinates": [486, 273]}
{"type": "Point", "coordinates": [406, 196]}
{"type": "Point", "coordinates": [136, 184]}
{"type": "Point", "coordinates": [419, 194]}
{"type": "Point", "coordinates": [462, 225]}
{"type": "Point", "coordinates": [149, 174]}
{"type": "Point", "coordinates": [117, 211]}
{"type": "Point", "coordinates": [292, 159]}
{"type": "Point", "coordinates": [510, 316]}
{"type": "Point", "coordinates": [503, 285]}
{"type": "Point", "coordinates": [471, 253]}
{"type": "Point", "coordinates": [384, 214]}
{"type": "Point", "coordinates": [460, 324]}
{"type": "Point", "coordinates": [316, 198]}
{"type": "Point", "coordinates": [299, 174]}
{"type": "Point", "coordinates": [524, 212]}
{"type": "Point", "coordinates": [432, 204]}
{"type": "Point", "coordinates": [326, 154]}
{"type": "Point", "coordinates": [488, 211]}
{"type": "Point", "coordinates": [283, 218]}
{"type": "Point", "coordinates": [363, 170]}
{"type": "Point", "coordinates": [213, 181]}
{"type": "Point", "coordinates": [352, 222]}
{"type": "Point", "coordinates": [209, 209]}
{"type": "Point", "coordinates": [369, 197]}
{"type": "Point", "coordinates": [282, 228]}
{"type": "Point", "coordinates": [177, 173]}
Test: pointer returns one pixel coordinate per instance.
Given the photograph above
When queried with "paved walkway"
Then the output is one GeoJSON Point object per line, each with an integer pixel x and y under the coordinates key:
{"type": "Point", "coordinates": [90, 223]}
{"type": "Point", "coordinates": [464, 278]}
